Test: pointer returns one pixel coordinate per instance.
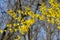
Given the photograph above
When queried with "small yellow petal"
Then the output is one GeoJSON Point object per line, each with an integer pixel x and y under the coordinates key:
{"type": "Point", "coordinates": [14, 24]}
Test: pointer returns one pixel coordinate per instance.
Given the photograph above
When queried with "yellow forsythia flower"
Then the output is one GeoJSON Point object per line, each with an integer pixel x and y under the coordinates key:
{"type": "Point", "coordinates": [1, 31]}
{"type": "Point", "coordinates": [18, 36]}
{"type": "Point", "coordinates": [16, 39]}
{"type": "Point", "coordinates": [58, 15]}
{"type": "Point", "coordinates": [31, 13]}
{"type": "Point", "coordinates": [11, 30]}
{"type": "Point", "coordinates": [14, 24]}
{"type": "Point", "coordinates": [12, 13]}
{"type": "Point", "coordinates": [9, 25]}
{"type": "Point", "coordinates": [50, 10]}
{"type": "Point", "coordinates": [57, 20]}
{"type": "Point", "coordinates": [52, 20]}
{"type": "Point", "coordinates": [42, 17]}
{"type": "Point", "coordinates": [37, 15]}
{"type": "Point", "coordinates": [50, 1]}
{"type": "Point", "coordinates": [23, 29]}
{"type": "Point", "coordinates": [48, 20]}
{"type": "Point", "coordinates": [18, 19]}
{"type": "Point", "coordinates": [5, 30]}
{"type": "Point", "coordinates": [58, 27]}
{"type": "Point", "coordinates": [20, 11]}
{"type": "Point", "coordinates": [30, 21]}
{"type": "Point", "coordinates": [58, 10]}
{"type": "Point", "coordinates": [27, 9]}
{"type": "Point", "coordinates": [15, 30]}
{"type": "Point", "coordinates": [18, 24]}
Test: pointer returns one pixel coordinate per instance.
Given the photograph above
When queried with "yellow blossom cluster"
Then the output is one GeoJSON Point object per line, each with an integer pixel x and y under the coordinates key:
{"type": "Point", "coordinates": [52, 13]}
{"type": "Point", "coordinates": [22, 25]}
{"type": "Point", "coordinates": [17, 38]}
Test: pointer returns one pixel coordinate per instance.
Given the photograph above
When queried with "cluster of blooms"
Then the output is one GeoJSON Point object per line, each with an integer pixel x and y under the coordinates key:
{"type": "Point", "coordinates": [52, 13]}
